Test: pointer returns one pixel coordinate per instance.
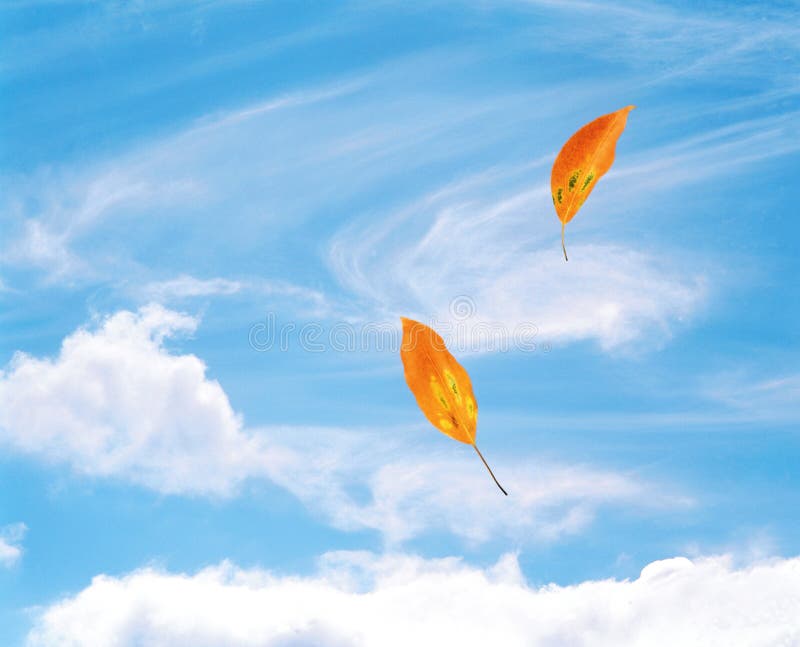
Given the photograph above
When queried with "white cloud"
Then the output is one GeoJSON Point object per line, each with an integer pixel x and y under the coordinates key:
{"type": "Point", "coordinates": [362, 480]}
{"type": "Point", "coordinates": [77, 222]}
{"type": "Point", "coordinates": [365, 132]}
{"type": "Point", "coordinates": [51, 215]}
{"type": "Point", "coordinates": [505, 260]}
{"type": "Point", "coordinates": [10, 540]}
{"type": "Point", "coordinates": [699, 43]}
{"type": "Point", "coordinates": [115, 402]}
{"type": "Point", "coordinates": [185, 286]}
{"type": "Point", "coordinates": [39, 246]}
{"type": "Point", "coordinates": [364, 599]}
{"type": "Point", "coordinates": [743, 391]}
{"type": "Point", "coordinates": [298, 299]}
{"type": "Point", "coordinates": [61, 208]}
{"type": "Point", "coordinates": [316, 302]}
{"type": "Point", "coordinates": [773, 397]}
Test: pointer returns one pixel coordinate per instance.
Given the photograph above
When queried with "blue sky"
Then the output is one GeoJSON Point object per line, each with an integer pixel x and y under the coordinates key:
{"type": "Point", "coordinates": [178, 177]}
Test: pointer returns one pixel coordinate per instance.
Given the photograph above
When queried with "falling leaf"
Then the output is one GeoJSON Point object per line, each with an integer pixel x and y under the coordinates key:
{"type": "Point", "coordinates": [440, 384]}
{"type": "Point", "coordinates": [583, 160]}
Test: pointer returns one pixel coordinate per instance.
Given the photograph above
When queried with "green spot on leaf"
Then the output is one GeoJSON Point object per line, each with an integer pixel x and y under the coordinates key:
{"type": "Point", "coordinates": [587, 181]}
{"type": "Point", "coordinates": [559, 195]}
{"type": "Point", "coordinates": [573, 179]}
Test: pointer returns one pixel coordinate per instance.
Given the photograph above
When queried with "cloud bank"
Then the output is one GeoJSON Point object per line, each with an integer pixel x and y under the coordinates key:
{"type": "Point", "coordinates": [359, 599]}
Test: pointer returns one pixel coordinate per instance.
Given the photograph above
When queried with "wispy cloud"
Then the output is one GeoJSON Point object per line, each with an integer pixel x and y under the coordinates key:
{"type": "Point", "coordinates": [11, 543]}
{"type": "Point", "coordinates": [774, 397]}
{"type": "Point", "coordinates": [405, 493]}
{"type": "Point", "coordinates": [178, 182]}
{"type": "Point", "coordinates": [116, 403]}
{"type": "Point", "coordinates": [486, 237]}
{"type": "Point", "coordinates": [240, 175]}
{"type": "Point", "coordinates": [107, 25]}
{"type": "Point", "coordinates": [300, 300]}
{"type": "Point", "coordinates": [61, 211]}
{"type": "Point", "coordinates": [185, 286]}
{"type": "Point", "coordinates": [49, 214]}
{"type": "Point", "coordinates": [707, 42]}
{"type": "Point", "coordinates": [493, 250]}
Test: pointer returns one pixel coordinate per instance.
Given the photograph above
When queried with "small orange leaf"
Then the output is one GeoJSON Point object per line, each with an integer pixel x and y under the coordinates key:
{"type": "Point", "coordinates": [440, 384]}
{"type": "Point", "coordinates": [583, 160]}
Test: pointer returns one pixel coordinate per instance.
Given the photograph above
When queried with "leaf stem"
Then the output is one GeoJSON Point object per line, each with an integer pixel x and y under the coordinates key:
{"type": "Point", "coordinates": [489, 468]}
{"type": "Point", "coordinates": [563, 225]}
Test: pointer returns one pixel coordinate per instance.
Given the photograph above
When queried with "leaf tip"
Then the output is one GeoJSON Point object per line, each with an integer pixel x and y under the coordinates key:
{"type": "Point", "coordinates": [407, 323]}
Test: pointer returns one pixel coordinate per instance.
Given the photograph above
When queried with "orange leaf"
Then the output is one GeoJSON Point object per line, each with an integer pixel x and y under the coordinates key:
{"type": "Point", "coordinates": [583, 160]}
{"type": "Point", "coordinates": [440, 384]}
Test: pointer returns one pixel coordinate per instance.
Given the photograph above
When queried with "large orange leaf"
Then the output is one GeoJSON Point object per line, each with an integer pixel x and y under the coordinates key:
{"type": "Point", "coordinates": [440, 384]}
{"type": "Point", "coordinates": [583, 160]}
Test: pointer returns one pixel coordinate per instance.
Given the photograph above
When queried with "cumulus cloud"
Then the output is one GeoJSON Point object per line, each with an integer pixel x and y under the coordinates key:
{"type": "Point", "coordinates": [115, 402]}
{"type": "Point", "coordinates": [364, 599]}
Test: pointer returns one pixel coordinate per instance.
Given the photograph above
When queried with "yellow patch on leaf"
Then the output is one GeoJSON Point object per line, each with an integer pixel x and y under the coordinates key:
{"type": "Point", "coordinates": [440, 384]}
